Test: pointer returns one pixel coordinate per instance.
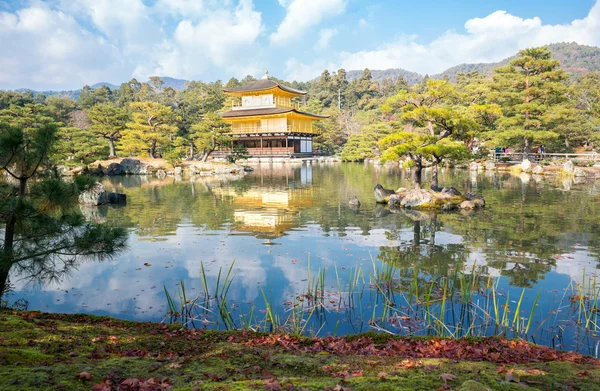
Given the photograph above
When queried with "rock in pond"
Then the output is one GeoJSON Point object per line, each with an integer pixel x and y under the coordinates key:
{"type": "Point", "coordinates": [525, 165]}
{"type": "Point", "coordinates": [538, 170]}
{"type": "Point", "coordinates": [178, 171]}
{"type": "Point", "coordinates": [450, 192]}
{"type": "Point", "coordinates": [490, 165]}
{"type": "Point", "coordinates": [161, 173]}
{"type": "Point", "coordinates": [95, 195]}
{"type": "Point", "coordinates": [354, 201]}
{"type": "Point", "coordinates": [415, 198]}
{"type": "Point", "coordinates": [568, 167]}
{"type": "Point", "coordinates": [579, 172]}
{"type": "Point", "coordinates": [473, 203]}
{"type": "Point", "coordinates": [133, 167]}
{"type": "Point", "coordinates": [382, 195]}
{"type": "Point", "coordinates": [117, 198]}
{"type": "Point", "coordinates": [113, 169]}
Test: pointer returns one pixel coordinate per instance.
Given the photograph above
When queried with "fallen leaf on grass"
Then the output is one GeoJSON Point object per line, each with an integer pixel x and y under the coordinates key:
{"type": "Point", "coordinates": [382, 376]}
{"type": "Point", "coordinates": [446, 377]}
{"type": "Point", "coordinates": [340, 388]}
{"type": "Point", "coordinates": [174, 365]}
{"type": "Point", "coordinates": [84, 376]}
{"type": "Point", "coordinates": [273, 385]}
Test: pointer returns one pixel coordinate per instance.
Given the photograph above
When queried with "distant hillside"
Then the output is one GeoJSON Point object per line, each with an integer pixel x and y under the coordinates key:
{"type": "Point", "coordinates": [410, 77]}
{"type": "Point", "coordinates": [574, 58]}
{"type": "Point", "coordinates": [178, 84]}
{"type": "Point", "coordinates": [104, 84]}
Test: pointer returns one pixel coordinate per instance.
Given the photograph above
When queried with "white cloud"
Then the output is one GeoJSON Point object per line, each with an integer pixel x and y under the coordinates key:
{"type": "Point", "coordinates": [295, 70]}
{"type": "Point", "coordinates": [492, 38]}
{"type": "Point", "coordinates": [362, 23]}
{"type": "Point", "coordinates": [48, 48]}
{"type": "Point", "coordinates": [325, 36]}
{"type": "Point", "coordinates": [223, 38]}
{"type": "Point", "coordinates": [302, 14]}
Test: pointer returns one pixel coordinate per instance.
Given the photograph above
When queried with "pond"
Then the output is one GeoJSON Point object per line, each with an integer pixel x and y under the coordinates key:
{"type": "Point", "coordinates": [304, 261]}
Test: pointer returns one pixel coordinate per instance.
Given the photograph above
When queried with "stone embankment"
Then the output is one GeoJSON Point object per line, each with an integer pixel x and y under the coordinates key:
{"type": "Point", "coordinates": [585, 170]}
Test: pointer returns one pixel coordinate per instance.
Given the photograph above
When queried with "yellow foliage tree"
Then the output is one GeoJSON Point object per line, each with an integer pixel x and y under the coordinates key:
{"type": "Point", "coordinates": [150, 129]}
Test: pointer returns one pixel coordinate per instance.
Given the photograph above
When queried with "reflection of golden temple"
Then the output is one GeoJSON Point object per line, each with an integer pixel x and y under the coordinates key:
{"type": "Point", "coordinates": [267, 210]}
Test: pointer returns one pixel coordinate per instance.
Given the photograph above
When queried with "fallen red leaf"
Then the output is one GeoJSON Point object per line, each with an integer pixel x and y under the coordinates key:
{"type": "Point", "coordinates": [84, 376]}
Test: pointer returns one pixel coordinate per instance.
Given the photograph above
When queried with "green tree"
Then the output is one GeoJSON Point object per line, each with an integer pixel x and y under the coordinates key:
{"type": "Point", "coordinates": [108, 122]}
{"type": "Point", "coordinates": [364, 144]}
{"type": "Point", "coordinates": [424, 151]}
{"type": "Point", "coordinates": [127, 92]}
{"type": "Point", "coordinates": [210, 134]}
{"type": "Point", "coordinates": [87, 98]}
{"type": "Point", "coordinates": [150, 128]}
{"type": "Point", "coordinates": [528, 89]}
{"type": "Point", "coordinates": [40, 227]}
{"type": "Point", "coordinates": [585, 96]}
{"type": "Point", "coordinates": [60, 107]}
{"type": "Point", "coordinates": [432, 113]}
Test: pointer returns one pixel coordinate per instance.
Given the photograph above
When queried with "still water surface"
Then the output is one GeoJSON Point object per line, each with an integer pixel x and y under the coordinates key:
{"type": "Point", "coordinates": [538, 235]}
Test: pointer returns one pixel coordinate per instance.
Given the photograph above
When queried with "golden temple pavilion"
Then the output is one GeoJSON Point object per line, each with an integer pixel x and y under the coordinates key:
{"type": "Point", "coordinates": [267, 121]}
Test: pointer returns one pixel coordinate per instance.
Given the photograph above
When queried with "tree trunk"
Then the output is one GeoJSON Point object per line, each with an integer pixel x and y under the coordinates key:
{"type": "Point", "coordinates": [9, 238]}
{"type": "Point", "coordinates": [430, 126]}
{"type": "Point", "coordinates": [206, 155]}
{"type": "Point", "coordinates": [4, 269]}
{"type": "Point", "coordinates": [417, 174]}
{"type": "Point", "coordinates": [434, 178]}
{"type": "Point", "coordinates": [153, 149]}
{"type": "Point", "coordinates": [191, 152]}
{"type": "Point", "coordinates": [111, 145]}
{"type": "Point", "coordinates": [526, 148]}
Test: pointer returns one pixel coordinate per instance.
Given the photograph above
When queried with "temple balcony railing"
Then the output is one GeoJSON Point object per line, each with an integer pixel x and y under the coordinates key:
{"type": "Point", "coordinates": [278, 102]}
{"type": "Point", "coordinates": [283, 129]}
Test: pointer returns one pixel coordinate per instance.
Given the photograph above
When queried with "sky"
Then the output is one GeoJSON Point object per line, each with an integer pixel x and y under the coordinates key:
{"type": "Point", "coordinates": [65, 44]}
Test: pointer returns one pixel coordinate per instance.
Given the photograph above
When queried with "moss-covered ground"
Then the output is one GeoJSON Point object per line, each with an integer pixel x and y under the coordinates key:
{"type": "Point", "coordinates": [40, 351]}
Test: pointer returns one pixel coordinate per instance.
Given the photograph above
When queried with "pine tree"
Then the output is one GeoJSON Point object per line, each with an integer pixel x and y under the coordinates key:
{"type": "Point", "coordinates": [210, 134]}
{"type": "Point", "coordinates": [528, 89]}
{"type": "Point", "coordinates": [149, 129]}
{"type": "Point", "coordinates": [108, 122]}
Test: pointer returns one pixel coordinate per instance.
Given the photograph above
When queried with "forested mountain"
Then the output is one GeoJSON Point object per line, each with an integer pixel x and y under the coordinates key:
{"type": "Point", "coordinates": [393, 73]}
{"type": "Point", "coordinates": [574, 58]}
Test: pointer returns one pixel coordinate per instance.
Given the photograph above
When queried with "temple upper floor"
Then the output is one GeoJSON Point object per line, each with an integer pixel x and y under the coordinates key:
{"type": "Point", "coordinates": [264, 93]}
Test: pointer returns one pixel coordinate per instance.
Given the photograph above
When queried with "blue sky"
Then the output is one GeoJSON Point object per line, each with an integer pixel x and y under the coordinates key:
{"type": "Point", "coordinates": [64, 44]}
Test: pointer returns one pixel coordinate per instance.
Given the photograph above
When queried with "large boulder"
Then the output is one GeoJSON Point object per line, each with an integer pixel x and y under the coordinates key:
{"type": "Point", "coordinates": [113, 169]}
{"type": "Point", "coordinates": [161, 173]}
{"type": "Point", "coordinates": [579, 172]}
{"type": "Point", "coordinates": [568, 167]}
{"type": "Point", "coordinates": [490, 165]}
{"type": "Point", "coordinates": [538, 170]}
{"type": "Point", "coordinates": [95, 195]}
{"type": "Point", "coordinates": [415, 198]}
{"type": "Point", "coordinates": [133, 167]}
{"type": "Point", "coordinates": [382, 195]}
{"type": "Point", "coordinates": [178, 171]}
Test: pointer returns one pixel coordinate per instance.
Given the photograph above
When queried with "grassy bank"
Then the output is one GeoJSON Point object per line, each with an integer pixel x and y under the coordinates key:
{"type": "Point", "coordinates": [80, 352]}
